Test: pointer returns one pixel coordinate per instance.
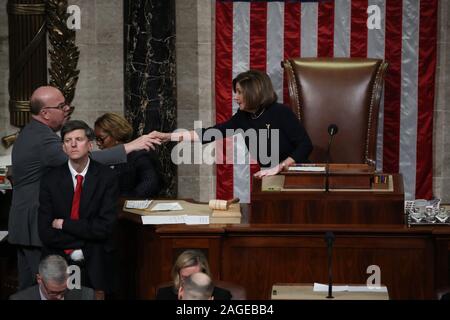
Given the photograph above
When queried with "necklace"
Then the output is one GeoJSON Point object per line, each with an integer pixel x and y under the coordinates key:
{"type": "Point", "coordinates": [257, 114]}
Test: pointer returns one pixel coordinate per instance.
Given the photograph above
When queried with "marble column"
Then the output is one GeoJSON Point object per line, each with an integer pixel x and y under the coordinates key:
{"type": "Point", "coordinates": [150, 77]}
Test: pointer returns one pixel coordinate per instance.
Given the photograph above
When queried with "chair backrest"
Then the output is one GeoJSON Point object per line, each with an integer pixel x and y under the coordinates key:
{"type": "Point", "coordinates": [341, 91]}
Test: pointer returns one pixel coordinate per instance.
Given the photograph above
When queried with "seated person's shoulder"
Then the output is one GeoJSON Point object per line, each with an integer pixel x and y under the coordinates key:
{"type": "Point", "coordinates": [446, 296]}
{"type": "Point", "coordinates": [221, 294]}
{"type": "Point", "coordinates": [166, 293]}
{"type": "Point", "coordinates": [84, 293]}
{"type": "Point", "coordinates": [103, 168]}
{"type": "Point", "coordinates": [31, 293]}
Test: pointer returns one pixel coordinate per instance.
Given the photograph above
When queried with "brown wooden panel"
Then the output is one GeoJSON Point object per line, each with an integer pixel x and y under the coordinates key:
{"type": "Point", "coordinates": [414, 261]}
{"type": "Point", "coordinates": [257, 263]}
{"type": "Point", "coordinates": [319, 207]}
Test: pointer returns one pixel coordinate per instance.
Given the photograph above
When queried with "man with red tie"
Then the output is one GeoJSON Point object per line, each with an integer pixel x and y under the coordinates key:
{"type": "Point", "coordinates": [78, 208]}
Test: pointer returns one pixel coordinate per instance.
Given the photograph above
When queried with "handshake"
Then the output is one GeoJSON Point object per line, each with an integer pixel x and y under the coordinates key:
{"type": "Point", "coordinates": [148, 141]}
{"type": "Point", "coordinates": [160, 136]}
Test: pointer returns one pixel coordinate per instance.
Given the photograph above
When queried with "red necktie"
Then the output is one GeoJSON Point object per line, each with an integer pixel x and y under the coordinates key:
{"type": "Point", "coordinates": [75, 212]}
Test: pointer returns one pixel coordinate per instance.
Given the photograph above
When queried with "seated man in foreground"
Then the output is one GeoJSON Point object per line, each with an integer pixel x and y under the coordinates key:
{"type": "Point", "coordinates": [52, 283]}
{"type": "Point", "coordinates": [197, 286]}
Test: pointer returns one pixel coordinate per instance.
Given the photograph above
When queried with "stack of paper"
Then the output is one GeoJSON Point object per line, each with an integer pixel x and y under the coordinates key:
{"type": "Point", "coordinates": [319, 287]}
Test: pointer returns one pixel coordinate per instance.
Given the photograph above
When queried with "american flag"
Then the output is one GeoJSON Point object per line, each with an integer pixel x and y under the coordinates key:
{"type": "Point", "coordinates": [260, 34]}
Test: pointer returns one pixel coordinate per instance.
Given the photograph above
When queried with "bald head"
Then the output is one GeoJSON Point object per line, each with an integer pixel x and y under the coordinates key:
{"type": "Point", "coordinates": [49, 107]}
{"type": "Point", "coordinates": [198, 286]}
{"type": "Point", "coordinates": [44, 97]}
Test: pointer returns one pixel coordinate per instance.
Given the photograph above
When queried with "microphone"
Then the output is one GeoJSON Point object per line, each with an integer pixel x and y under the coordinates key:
{"type": "Point", "coordinates": [329, 239]}
{"type": "Point", "coordinates": [332, 130]}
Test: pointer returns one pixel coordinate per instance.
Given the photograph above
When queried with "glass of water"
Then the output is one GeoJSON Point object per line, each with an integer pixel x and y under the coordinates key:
{"type": "Point", "coordinates": [416, 214]}
{"type": "Point", "coordinates": [430, 215]}
{"type": "Point", "coordinates": [443, 214]}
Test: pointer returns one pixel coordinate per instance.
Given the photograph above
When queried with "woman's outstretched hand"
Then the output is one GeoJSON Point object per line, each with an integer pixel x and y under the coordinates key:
{"type": "Point", "coordinates": [269, 172]}
{"type": "Point", "coordinates": [163, 137]}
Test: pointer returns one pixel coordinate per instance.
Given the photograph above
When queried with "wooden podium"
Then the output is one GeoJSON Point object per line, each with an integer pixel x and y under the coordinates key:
{"type": "Point", "coordinates": [354, 197]}
{"type": "Point", "coordinates": [340, 176]}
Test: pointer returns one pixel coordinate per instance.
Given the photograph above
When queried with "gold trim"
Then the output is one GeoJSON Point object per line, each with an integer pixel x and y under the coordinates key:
{"type": "Point", "coordinates": [8, 141]}
{"type": "Point", "coordinates": [21, 106]}
{"type": "Point", "coordinates": [26, 8]}
{"type": "Point", "coordinates": [63, 54]}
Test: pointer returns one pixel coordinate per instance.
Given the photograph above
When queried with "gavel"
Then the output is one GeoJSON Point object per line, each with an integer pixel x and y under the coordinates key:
{"type": "Point", "coordinates": [217, 204]}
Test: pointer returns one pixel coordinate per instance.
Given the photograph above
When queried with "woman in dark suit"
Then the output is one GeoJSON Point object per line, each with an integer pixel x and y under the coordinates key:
{"type": "Point", "coordinates": [187, 263]}
{"type": "Point", "coordinates": [138, 177]}
{"type": "Point", "coordinates": [280, 130]}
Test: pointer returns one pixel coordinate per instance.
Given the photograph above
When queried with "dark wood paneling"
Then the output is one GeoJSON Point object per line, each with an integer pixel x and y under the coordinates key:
{"type": "Point", "coordinates": [318, 207]}
{"type": "Point", "coordinates": [413, 261]}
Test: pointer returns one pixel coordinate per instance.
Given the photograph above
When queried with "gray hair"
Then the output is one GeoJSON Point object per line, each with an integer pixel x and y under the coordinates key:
{"type": "Point", "coordinates": [53, 268]}
{"type": "Point", "coordinates": [197, 286]}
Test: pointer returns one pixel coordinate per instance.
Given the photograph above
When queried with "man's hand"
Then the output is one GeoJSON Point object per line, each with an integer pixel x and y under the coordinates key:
{"type": "Point", "coordinates": [146, 141]}
{"type": "Point", "coordinates": [164, 137]}
{"type": "Point", "coordinates": [57, 223]}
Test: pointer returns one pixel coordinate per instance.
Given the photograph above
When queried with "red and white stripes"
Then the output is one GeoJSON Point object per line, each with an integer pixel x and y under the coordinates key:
{"type": "Point", "coordinates": [259, 35]}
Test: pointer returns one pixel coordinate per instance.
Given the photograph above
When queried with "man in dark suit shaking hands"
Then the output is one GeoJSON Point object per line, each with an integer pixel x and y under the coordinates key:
{"type": "Point", "coordinates": [78, 208]}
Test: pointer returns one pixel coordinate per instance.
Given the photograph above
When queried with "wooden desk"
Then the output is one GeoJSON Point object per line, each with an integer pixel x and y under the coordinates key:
{"type": "Point", "coordinates": [334, 207]}
{"type": "Point", "coordinates": [413, 261]}
{"type": "Point", "coordinates": [305, 292]}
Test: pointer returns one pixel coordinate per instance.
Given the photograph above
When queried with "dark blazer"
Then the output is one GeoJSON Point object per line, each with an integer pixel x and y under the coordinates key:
{"type": "Point", "coordinates": [92, 232]}
{"type": "Point", "coordinates": [140, 175]}
{"type": "Point", "coordinates": [168, 293]}
{"type": "Point", "coordinates": [32, 293]}
{"type": "Point", "coordinates": [37, 149]}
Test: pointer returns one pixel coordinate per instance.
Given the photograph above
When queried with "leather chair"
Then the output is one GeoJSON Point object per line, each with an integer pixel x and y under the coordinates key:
{"type": "Point", "coordinates": [341, 91]}
{"type": "Point", "coordinates": [237, 292]}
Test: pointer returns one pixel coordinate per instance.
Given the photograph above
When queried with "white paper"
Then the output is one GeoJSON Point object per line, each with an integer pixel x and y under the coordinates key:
{"type": "Point", "coordinates": [366, 289]}
{"type": "Point", "coordinates": [3, 235]}
{"type": "Point", "coordinates": [138, 204]}
{"type": "Point", "coordinates": [175, 219]}
{"type": "Point", "coordinates": [167, 206]}
{"type": "Point", "coordinates": [197, 220]}
{"type": "Point", "coordinates": [5, 161]}
{"type": "Point", "coordinates": [307, 169]}
{"type": "Point", "coordinates": [319, 287]}
{"type": "Point", "coordinates": [163, 219]}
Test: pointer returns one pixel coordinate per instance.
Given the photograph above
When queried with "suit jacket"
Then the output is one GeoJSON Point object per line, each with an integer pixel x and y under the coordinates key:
{"type": "Point", "coordinates": [139, 177]}
{"type": "Point", "coordinates": [92, 232]}
{"type": "Point", "coordinates": [37, 149]}
{"type": "Point", "coordinates": [168, 293]}
{"type": "Point", "coordinates": [32, 293]}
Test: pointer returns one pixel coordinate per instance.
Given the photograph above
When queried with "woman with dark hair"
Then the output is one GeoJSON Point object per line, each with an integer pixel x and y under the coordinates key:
{"type": "Point", "coordinates": [260, 112]}
{"type": "Point", "coordinates": [138, 177]}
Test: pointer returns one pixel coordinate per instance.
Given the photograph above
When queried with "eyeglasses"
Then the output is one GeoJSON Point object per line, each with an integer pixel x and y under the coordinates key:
{"type": "Point", "coordinates": [60, 106]}
{"type": "Point", "coordinates": [53, 293]}
{"type": "Point", "coordinates": [100, 139]}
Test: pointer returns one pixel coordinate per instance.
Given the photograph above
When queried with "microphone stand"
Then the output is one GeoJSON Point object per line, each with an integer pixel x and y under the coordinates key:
{"type": "Point", "coordinates": [327, 165]}
{"type": "Point", "coordinates": [329, 239]}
